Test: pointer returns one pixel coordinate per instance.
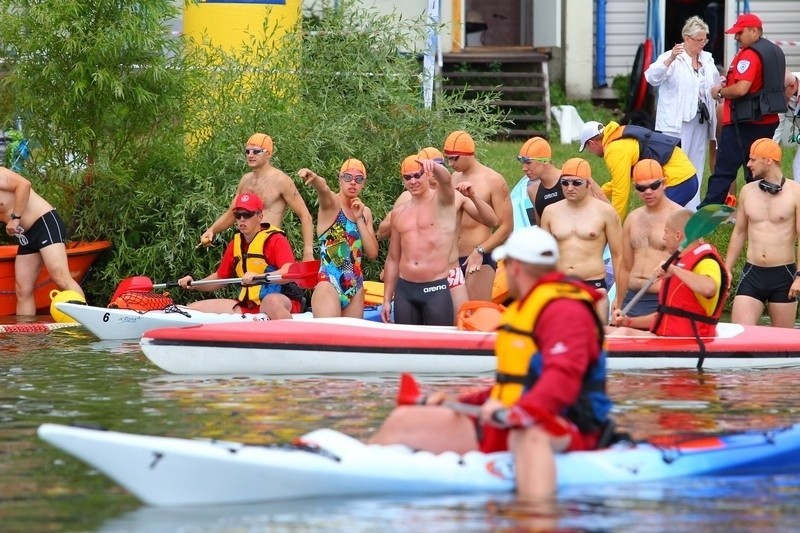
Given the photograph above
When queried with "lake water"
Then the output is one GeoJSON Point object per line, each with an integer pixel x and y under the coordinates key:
{"type": "Point", "coordinates": [68, 376]}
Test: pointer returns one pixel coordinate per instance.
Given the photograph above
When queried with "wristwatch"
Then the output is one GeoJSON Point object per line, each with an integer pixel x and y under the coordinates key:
{"type": "Point", "coordinates": [15, 217]}
{"type": "Point", "coordinates": [481, 250]}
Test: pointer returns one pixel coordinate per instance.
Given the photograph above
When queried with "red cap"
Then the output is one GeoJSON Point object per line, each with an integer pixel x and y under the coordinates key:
{"type": "Point", "coordinates": [745, 20]}
{"type": "Point", "coordinates": [248, 202]}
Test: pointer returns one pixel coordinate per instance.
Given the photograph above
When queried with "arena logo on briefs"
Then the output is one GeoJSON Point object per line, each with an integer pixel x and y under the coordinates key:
{"type": "Point", "coordinates": [742, 66]}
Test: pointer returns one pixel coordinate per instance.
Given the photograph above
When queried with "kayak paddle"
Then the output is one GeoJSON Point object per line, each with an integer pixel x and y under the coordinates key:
{"type": "Point", "coordinates": [303, 273]}
{"type": "Point", "coordinates": [409, 394]}
{"type": "Point", "coordinates": [704, 221]}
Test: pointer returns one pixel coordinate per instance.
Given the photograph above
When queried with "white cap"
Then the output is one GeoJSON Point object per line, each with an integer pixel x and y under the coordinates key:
{"type": "Point", "coordinates": [530, 245]}
{"type": "Point", "coordinates": [590, 130]}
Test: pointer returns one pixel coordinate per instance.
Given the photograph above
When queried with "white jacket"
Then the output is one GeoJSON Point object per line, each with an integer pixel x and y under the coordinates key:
{"type": "Point", "coordinates": [791, 117]}
{"type": "Point", "coordinates": [679, 89]}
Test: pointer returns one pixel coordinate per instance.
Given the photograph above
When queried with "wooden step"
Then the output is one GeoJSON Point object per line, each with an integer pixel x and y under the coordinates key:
{"type": "Point", "coordinates": [528, 118]}
{"type": "Point", "coordinates": [502, 75]}
{"type": "Point", "coordinates": [495, 88]}
{"type": "Point", "coordinates": [518, 103]}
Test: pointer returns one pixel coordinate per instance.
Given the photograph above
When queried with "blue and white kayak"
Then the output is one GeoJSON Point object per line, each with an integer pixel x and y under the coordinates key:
{"type": "Point", "coordinates": [165, 471]}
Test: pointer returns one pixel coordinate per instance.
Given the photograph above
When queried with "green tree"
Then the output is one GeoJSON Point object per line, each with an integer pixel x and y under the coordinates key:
{"type": "Point", "coordinates": [93, 81]}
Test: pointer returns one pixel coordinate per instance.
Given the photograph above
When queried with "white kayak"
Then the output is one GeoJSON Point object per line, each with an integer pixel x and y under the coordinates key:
{"type": "Point", "coordinates": [165, 471]}
{"type": "Point", "coordinates": [120, 324]}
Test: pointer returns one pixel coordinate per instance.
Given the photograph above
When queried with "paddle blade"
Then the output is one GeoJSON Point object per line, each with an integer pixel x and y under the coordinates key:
{"type": "Point", "coordinates": [302, 269]}
{"type": "Point", "coordinates": [409, 393]}
{"type": "Point", "coordinates": [135, 283]}
{"type": "Point", "coordinates": [704, 221]}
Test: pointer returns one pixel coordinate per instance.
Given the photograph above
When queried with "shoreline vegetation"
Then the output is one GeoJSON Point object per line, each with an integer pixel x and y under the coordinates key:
{"type": "Point", "coordinates": [136, 136]}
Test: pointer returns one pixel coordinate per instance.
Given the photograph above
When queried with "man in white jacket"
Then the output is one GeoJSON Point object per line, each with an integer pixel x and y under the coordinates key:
{"type": "Point", "coordinates": [685, 107]}
{"type": "Point", "coordinates": [788, 131]}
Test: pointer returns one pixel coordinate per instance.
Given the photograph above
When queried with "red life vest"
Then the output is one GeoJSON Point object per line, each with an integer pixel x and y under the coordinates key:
{"type": "Point", "coordinates": [680, 314]}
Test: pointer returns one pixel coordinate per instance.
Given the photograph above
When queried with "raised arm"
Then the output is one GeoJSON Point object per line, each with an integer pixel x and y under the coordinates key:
{"type": "Point", "coordinates": [445, 193]}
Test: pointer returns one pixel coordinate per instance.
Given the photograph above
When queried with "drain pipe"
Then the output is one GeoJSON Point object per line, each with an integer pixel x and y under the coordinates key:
{"type": "Point", "coordinates": [600, 70]}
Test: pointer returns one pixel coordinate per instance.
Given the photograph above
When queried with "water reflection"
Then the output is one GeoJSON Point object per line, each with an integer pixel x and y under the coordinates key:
{"type": "Point", "coordinates": [69, 376]}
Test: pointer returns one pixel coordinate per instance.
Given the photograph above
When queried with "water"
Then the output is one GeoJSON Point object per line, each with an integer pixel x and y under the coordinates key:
{"type": "Point", "coordinates": [68, 376]}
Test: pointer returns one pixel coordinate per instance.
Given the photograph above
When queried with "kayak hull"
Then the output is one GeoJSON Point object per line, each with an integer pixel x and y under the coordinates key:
{"type": "Point", "coordinates": [123, 324]}
{"type": "Point", "coordinates": [163, 471]}
{"type": "Point", "coordinates": [80, 256]}
{"type": "Point", "coordinates": [345, 345]}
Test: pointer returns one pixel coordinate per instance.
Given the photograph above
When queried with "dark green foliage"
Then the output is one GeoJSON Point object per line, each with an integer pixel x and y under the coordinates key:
{"type": "Point", "coordinates": [141, 139]}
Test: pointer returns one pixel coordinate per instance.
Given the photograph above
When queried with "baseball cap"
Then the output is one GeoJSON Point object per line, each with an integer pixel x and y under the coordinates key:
{"type": "Point", "coordinates": [766, 148]}
{"type": "Point", "coordinates": [353, 164]}
{"type": "Point", "coordinates": [410, 165]}
{"type": "Point", "coordinates": [262, 140]}
{"type": "Point", "coordinates": [577, 167]}
{"type": "Point", "coordinates": [647, 170]}
{"type": "Point", "coordinates": [430, 153]}
{"type": "Point", "coordinates": [249, 202]}
{"type": "Point", "coordinates": [590, 130]}
{"type": "Point", "coordinates": [530, 245]}
{"type": "Point", "coordinates": [459, 143]}
{"type": "Point", "coordinates": [536, 148]}
{"type": "Point", "coordinates": [745, 20]}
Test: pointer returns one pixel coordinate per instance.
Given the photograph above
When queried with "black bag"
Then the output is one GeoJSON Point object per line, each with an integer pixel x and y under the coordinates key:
{"type": "Point", "coordinates": [702, 110]}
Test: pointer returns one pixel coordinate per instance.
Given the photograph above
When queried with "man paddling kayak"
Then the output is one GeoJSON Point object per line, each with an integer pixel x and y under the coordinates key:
{"type": "Point", "coordinates": [550, 392]}
{"type": "Point", "coordinates": [257, 249]}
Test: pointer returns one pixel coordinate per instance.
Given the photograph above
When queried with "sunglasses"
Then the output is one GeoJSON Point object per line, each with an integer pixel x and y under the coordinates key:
{"type": "Point", "coordinates": [653, 186]}
{"type": "Point", "coordinates": [254, 151]}
{"type": "Point", "coordinates": [246, 215]}
{"type": "Point", "coordinates": [575, 183]}
{"type": "Point", "coordinates": [438, 160]}
{"type": "Point", "coordinates": [350, 177]}
{"type": "Point", "coordinates": [409, 177]}
{"type": "Point", "coordinates": [525, 160]}
{"type": "Point", "coordinates": [453, 158]}
{"type": "Point", "coordinates": [771, 188]}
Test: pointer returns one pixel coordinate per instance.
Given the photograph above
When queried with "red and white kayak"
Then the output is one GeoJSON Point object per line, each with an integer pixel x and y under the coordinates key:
{"type": "Point", "coordinates": [346, 345]}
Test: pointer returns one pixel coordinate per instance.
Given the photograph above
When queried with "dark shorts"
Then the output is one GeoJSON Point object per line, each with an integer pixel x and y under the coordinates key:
{"type": "Point", "coordinates": [252, 309]}
{"type": "Point", "coordinates": [487, 260]}
{"type": "Point", "coordinates": [423, 304]}
{"type": "Point", "coordinates": [597, 283]}
{"type": "Point", "coordinates": [48, 229]}
{"type": "Point", "coordinates": [683, 192]}
{"type": "Point", "coordinates": [646, 305]}
{"type": "Point", "coordinates": [767, 284]}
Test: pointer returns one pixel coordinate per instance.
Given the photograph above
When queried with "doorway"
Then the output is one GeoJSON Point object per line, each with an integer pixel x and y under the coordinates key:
{"type": "Point", "coordinates": [711, 11]}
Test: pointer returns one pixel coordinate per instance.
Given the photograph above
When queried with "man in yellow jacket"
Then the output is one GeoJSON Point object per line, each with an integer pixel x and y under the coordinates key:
{"type": "Point", "coordinates": [621, 147]}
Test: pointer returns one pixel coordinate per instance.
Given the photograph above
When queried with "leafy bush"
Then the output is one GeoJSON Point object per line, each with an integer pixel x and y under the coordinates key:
{"type": "Point", "coordinates": [161, 157]}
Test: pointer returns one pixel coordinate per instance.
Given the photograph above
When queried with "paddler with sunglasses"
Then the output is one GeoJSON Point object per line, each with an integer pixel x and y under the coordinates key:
{"type": "Point", "coordinates": [643, 247]}
{"type": "Point", "coordinates": [621, 147]}
{"type": "Point", "coordinates": [583, 225]}
{"type": "Point", "coordinates": [346, 233]}
{"type": "Point", "coordinates": [276, 190]}
{"type": "Point", "coordinates": [257, 248]}
{"type": "Point", "coordinates": [767, 217]}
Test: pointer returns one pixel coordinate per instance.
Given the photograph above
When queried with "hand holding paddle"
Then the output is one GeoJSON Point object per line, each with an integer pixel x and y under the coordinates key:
{"type": "Point", "coordinates": [303, 273]}
{"type": "Point", "coordinates": [409, 394]}
{"type": "Point", "coordinates": [700, 224]}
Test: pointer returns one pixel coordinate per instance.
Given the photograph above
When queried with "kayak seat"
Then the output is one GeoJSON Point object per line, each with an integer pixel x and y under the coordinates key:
{"type": "Point", "coordinates": [609, 435]}
{"type": "Point", "coordinates": [476, 315]}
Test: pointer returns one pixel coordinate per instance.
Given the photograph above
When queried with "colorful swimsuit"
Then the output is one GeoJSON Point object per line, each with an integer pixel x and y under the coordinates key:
{"type": "Point", "coordinates": [340, 251]}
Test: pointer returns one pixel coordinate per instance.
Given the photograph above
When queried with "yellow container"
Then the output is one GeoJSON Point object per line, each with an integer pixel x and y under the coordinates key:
{"type": "Point", "coordinates": [228, 24]}
{"type": "Point", "coordinates": [63, 296]}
